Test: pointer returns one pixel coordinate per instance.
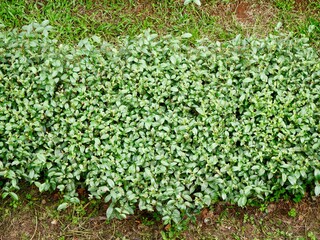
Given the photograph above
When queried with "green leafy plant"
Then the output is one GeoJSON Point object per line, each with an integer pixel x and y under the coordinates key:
{"type": "Point", "coordinates": [174, 231]}
{"type": "Point", "coordinates": [157, 124]}
{"type": "Point", "coordinates": [312, 236]}
{"type": "Point", "coordinates": [292, 212]}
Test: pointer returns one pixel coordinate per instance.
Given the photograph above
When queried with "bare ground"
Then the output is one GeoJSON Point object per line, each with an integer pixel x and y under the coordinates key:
{"type": "Point", "coordinates": [35, 217]}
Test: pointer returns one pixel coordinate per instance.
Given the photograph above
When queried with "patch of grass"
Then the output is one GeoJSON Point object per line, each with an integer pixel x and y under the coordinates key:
{"type": "Point", "coordinates": [216, 19]}
{"type": "Point", "coordinates": [286, 5]}
{"type": "Point", "coordinates": [75, 20]}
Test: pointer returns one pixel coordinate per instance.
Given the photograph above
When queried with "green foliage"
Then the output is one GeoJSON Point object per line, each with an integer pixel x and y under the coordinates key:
{"type": "Point", "coordinates": [292, 212]}
{"type": "Point", "coordinates": [173, 232]}
{"type": "Point", "coordinates": [287, 5]}
{"type": "Point", "coordinates": [156, 124]}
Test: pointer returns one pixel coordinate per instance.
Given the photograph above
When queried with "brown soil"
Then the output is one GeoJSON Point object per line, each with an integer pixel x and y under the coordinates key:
{"type": "Point", "coordinates": [242, 11]}
{"type": "Point", "coordinates": [36, 218]}
{"type": "Point", "coordinates": [301, 5]}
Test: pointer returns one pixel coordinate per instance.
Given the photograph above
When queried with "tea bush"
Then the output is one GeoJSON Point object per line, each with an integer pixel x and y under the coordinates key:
{"type": "Point", "coordinates": [158, 123]}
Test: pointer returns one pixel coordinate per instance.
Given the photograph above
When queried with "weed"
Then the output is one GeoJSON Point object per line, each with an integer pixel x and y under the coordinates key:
{"type": "Point", "coordinates": [248, 219]}
{"type": "Point", "coordinates": [312, 236]}
{"type": "Point", "coordinates": [156, 216]}
{"type": "Point", "coordinates": [263, 207]}
{"type": "Point", "coordinates": [223, 215]}
{"type": "Point", "coordinates": [283, 233]}
{"type": "Point", "coordinates": [147, 222]}
{"type": "Point", "coordinates": [292, 212]}
{"type": "Point", "coordinates": [236, 237]}
{"type": "Point", "coordinates": [15, 204]}
{"type": "Point", "coordinates": [297, 198]}
{"type": "Point", "coordinates": [245, 218]}
{"type": "Point", "coordinates": [286, 5]}
{"type": "Point", "coordinates": [29, 196]}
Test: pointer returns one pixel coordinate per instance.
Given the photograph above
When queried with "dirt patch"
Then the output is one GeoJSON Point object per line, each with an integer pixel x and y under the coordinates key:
{"type": "Point", "coordinates": [301, 5]}
{"type": "Point", "coordinates": [286, 220]}
{"type": "Point", "coordinates": [253, 13]}
{"type": "Point", "coordinates": [35, 217]}
{"type": "Point", "coordinates": [242, 12]}
{"type": "Point", "coordinates": [245, 17]}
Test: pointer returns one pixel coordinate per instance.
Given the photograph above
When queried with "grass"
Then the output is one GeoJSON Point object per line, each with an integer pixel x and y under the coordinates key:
{"type": "Point", "coordinates": [216, 19]}
{"type": "Point", "coordinates": [35, 215]}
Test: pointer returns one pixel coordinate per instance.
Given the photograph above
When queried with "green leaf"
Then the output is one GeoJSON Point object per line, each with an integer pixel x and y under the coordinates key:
{"type": "Point", "coordinates": [104, 136]}
{"type": "Point", "coordinates": [187, 197]}
{"type": "Point", "coordinates": [263, 77]}
{"type": "Point", "coordinates": [41, 157]}
{"type": "Point", "coordinates": [174, 89]}
{"type": "Point", "coordinates": [176, 216]}
{"type": "Point", "coordinates": [173, 60]}
{"type": "Point", "coordinates": [97, 142]}
{"type": "Point", "coordinates": [242, 201]}
{"type": "Point", "coordinates": [317, 190]}
{"type": "Point", "coordinates": [96, 39]}
{"type": "Point", "coordinates": [247, 80]}
{"type": "Point", "coordinates": [223, 196]}
{"type": "Point", "coordinates": [284, 178]}
{"type": "Point", "coordinates": [261, 171]}
{"type": "Point", "coordinates": [109, 212]}
{"type": "Point", "coordinates": [292, 180]}
{"type": "Point", "coordinates": [279, 25]}
{"type": "Point", "coordinates": [110, 182]}
{"type": "Point", "coordinates": [198, 2]}
{"type": "Point", "coordinates": [62, 206]}
{"type": "Point", "coordinates": [187, 35]}
{"type": "Point", "coordinates": [45, 23]}
{"type": "Point", "coordinates": [207, 200]}
{"type": "Point", "coordinates": [14, 196]}
{"type": "Point", "coordinates": [5, 194]}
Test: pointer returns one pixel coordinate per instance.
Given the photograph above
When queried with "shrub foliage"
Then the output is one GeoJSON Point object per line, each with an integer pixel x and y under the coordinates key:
{"type": "Point", "coordinates": [157, 123]}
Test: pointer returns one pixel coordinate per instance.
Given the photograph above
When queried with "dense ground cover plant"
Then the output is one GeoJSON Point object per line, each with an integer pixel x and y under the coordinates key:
{"type": "Point", "coordinates": [156, 124]}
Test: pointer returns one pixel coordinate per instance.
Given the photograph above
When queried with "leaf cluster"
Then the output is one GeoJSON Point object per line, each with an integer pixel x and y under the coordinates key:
{"type": "Point", "coordinates": [155, 124]}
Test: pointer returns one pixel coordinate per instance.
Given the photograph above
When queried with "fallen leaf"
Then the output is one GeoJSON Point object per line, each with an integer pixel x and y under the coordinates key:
{"type": "Point", "coordinates": [167, 228]}
{"type": "Point", "coordinates": [54, 222]}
